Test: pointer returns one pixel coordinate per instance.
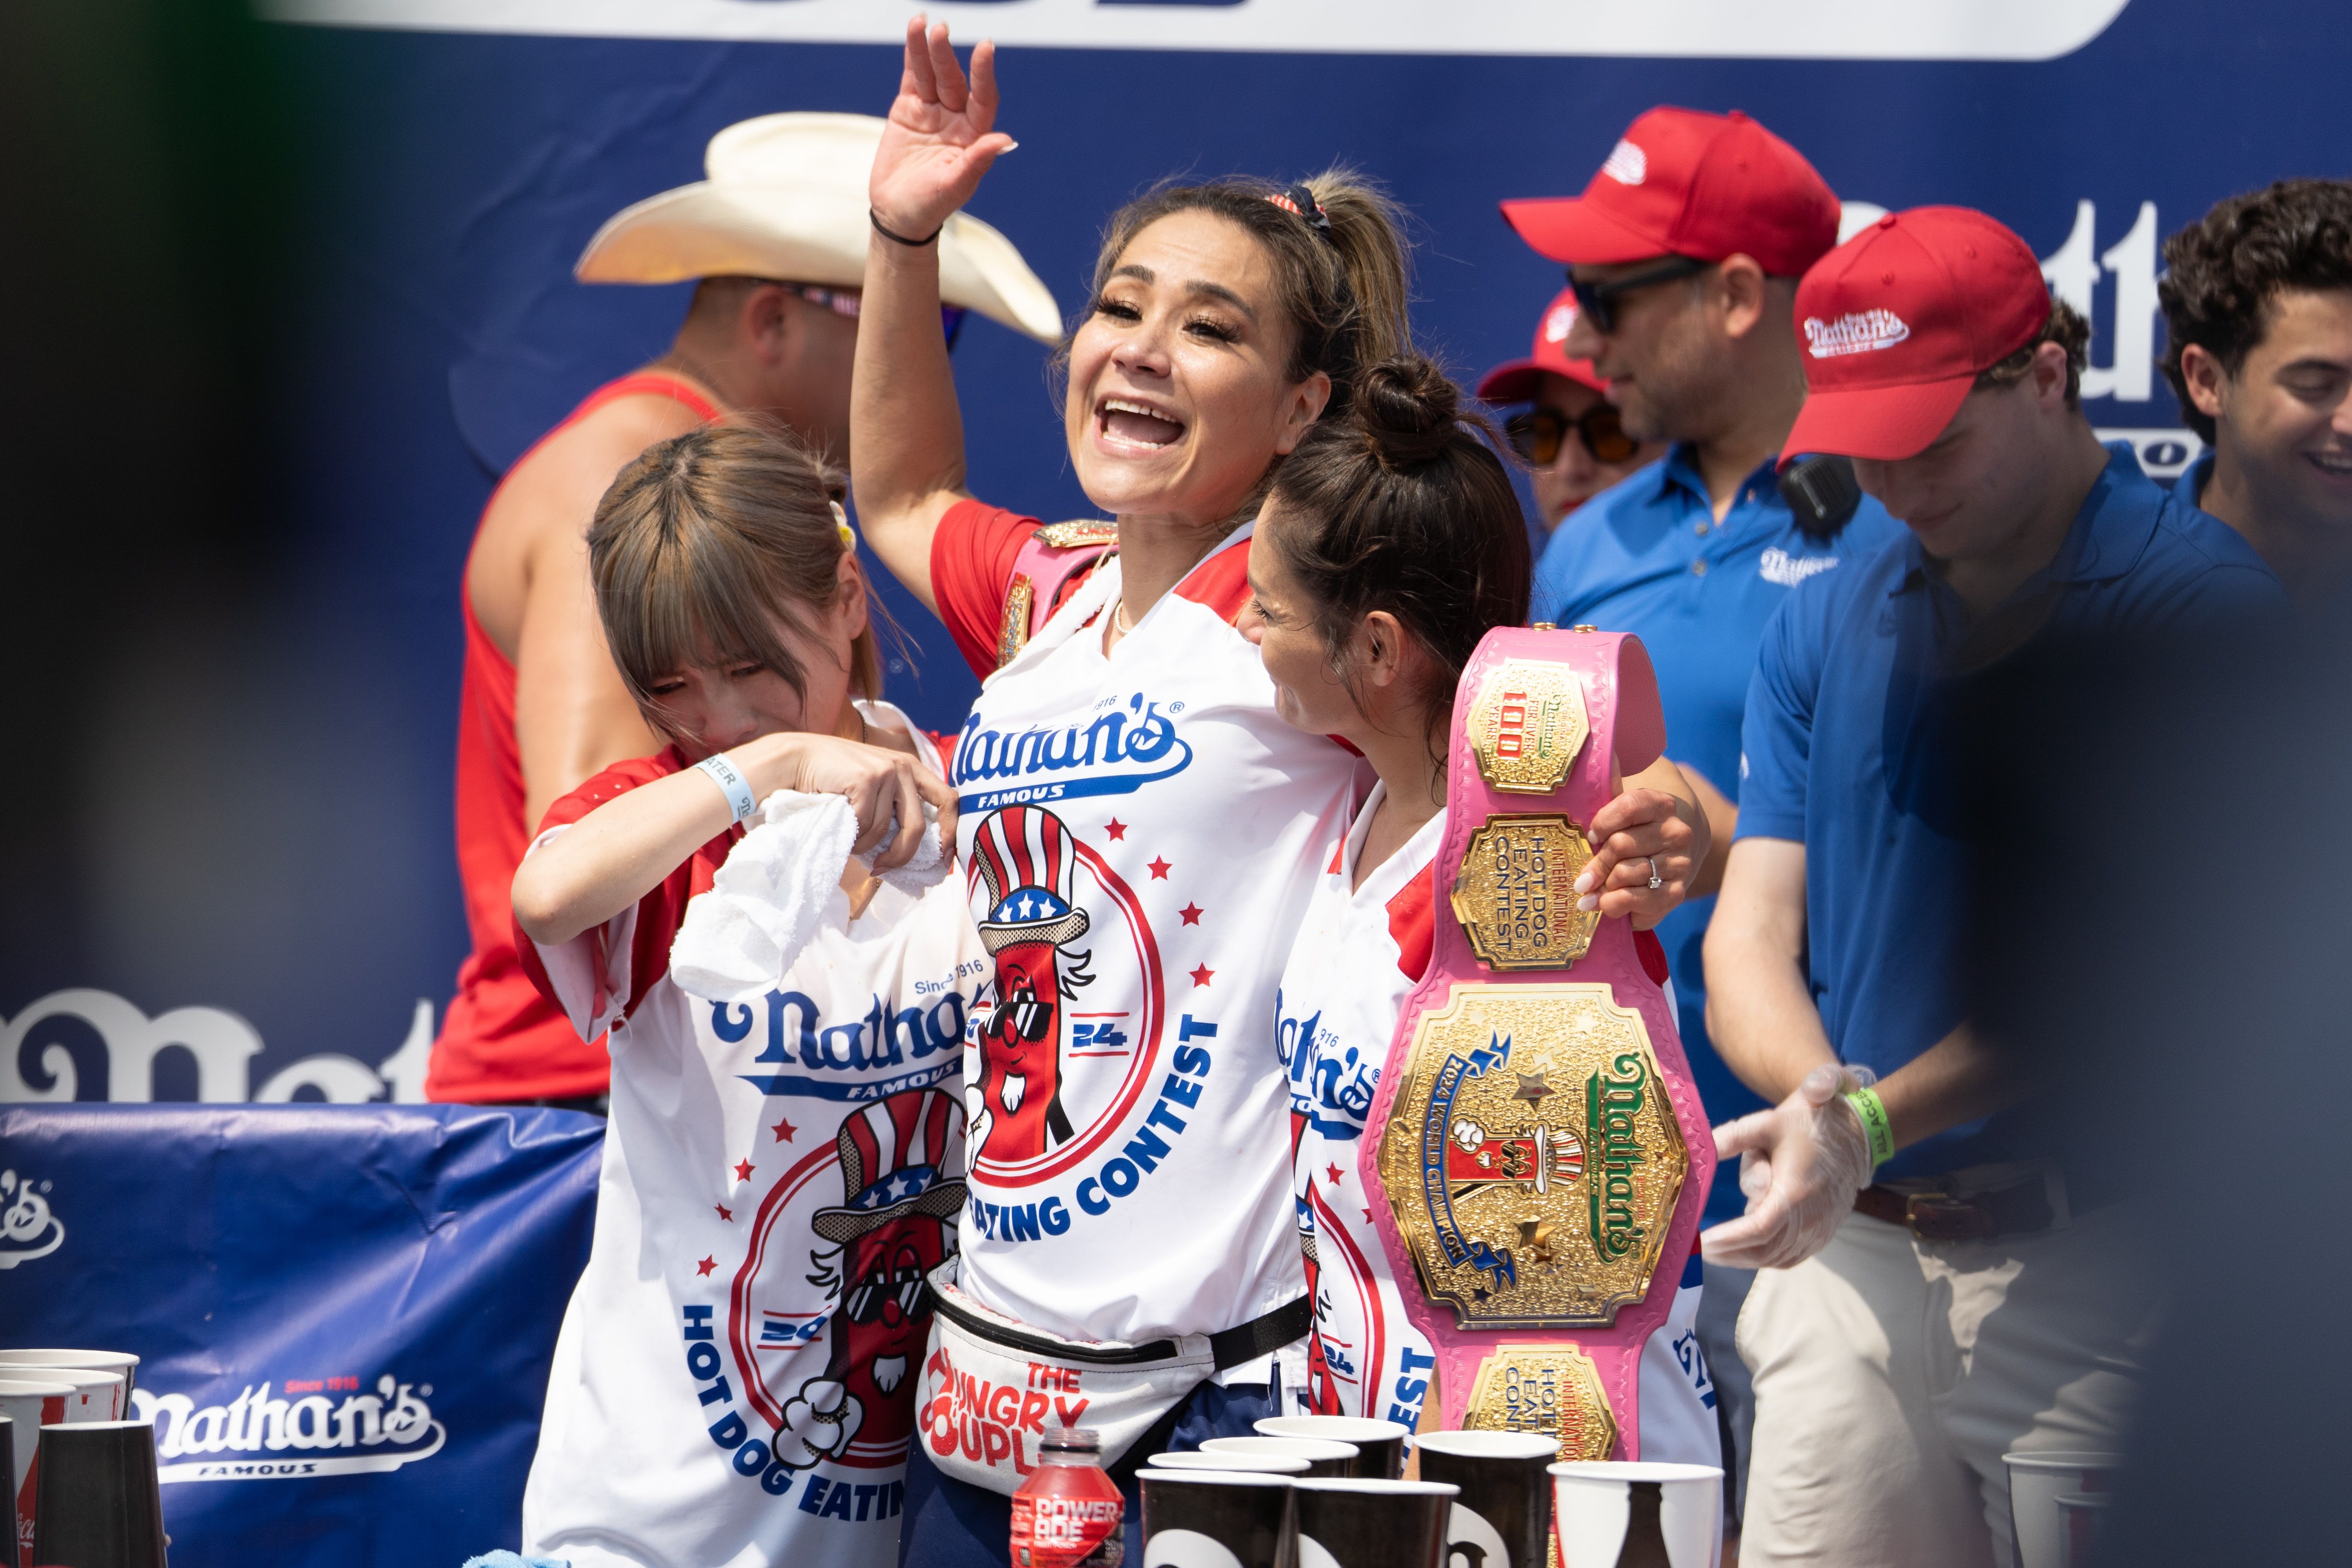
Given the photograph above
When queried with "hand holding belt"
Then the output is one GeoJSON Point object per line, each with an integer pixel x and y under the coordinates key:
{"type": "Point", "coordinates": [1542, 1157]}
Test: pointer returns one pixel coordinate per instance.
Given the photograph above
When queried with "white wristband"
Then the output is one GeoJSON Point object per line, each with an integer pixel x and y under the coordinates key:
{"type": "Point", "coordinates": [731, 784]}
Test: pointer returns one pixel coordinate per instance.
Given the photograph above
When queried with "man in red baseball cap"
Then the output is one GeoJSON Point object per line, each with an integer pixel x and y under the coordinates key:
{"type": "Point", "coordinates": [1944, 1277]}
{"type": "Point", "coordinates": [1684, 253]}
{"type": "Point", "coordinates": [1572, 436]}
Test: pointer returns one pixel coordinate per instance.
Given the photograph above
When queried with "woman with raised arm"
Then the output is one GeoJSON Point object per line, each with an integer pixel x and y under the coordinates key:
{"type": "Point", "coordinates": [1391, 544]}
{"type": "Point", "coordinates": [786, 1008]}
{"type": "Point", "coordinates": [1140, 828]}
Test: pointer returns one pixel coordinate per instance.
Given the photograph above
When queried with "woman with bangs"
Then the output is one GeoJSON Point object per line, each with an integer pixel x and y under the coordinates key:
{"type": "Point", "coordinates": [786, 1009]}
{"type": "Point", "coordinates": [1140, 828]}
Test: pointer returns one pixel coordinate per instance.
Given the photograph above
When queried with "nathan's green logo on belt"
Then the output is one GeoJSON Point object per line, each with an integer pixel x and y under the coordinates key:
{"type": "Point", "coordinates": [1610, 1103]}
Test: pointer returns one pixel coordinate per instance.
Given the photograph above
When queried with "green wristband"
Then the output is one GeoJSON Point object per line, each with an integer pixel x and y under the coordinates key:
{"type": "Point", "coordinates": [1875, 1127]}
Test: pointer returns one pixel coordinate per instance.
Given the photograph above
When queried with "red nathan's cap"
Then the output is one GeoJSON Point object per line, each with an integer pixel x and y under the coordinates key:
{"type": "Point", "coordinates": [1897, 322]}
{"type": "Point", "coordinates": [1681, 182]}
{"type": "Point", "coordinates": [1515, 381]}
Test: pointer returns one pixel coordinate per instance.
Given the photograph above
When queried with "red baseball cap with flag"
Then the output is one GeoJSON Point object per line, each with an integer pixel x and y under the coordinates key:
{"type": "Point", "coordinates": [1515, 381]}
{"type": "Point", "coordinates": [1897, 322]}
{"type": "Point", "coordinates": [1682, 182]}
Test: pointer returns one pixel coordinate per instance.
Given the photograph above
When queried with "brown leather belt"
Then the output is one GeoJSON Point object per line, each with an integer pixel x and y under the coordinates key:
{"type": "Point", "coordinates": [2023, 1209]}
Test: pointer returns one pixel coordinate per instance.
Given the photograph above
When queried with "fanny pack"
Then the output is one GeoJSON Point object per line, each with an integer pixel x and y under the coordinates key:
{"type": "Point", "coordinates": [990, 1385]}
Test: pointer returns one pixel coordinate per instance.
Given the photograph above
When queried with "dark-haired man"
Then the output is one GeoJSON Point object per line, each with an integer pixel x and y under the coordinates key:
{"type": "Point", "coordinates": [1940, 1283]}
{"type": "Point", "coordinates": [2258, 303]}
{"type": "Point", "coordinates": [1683, 256]}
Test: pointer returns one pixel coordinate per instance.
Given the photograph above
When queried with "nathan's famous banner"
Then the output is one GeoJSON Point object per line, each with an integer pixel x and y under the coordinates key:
{"type": "Point", "coordinates": [344, 1314]}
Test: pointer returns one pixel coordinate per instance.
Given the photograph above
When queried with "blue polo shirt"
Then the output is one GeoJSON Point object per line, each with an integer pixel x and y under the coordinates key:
{"type": "Point", "coordinates": [1646, 556]}
{"type": "Point", "coordinates": [1856, 677]}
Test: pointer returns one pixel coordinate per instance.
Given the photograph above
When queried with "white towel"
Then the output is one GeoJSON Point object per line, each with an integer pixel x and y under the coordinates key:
{"type": "Point", "coordinates": [742, 937]}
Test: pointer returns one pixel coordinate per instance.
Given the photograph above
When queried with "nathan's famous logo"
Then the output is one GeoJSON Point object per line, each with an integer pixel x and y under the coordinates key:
{"type": "Point", "coordinates": [1856, 331]}
{"type": "Point", "coordinates": [1026, 859]}
{"type": "Point", "coordinates": [927, 1041]}
{"type": "Point", "coordinates": [1610, 1104]}
{"type": "Point", "coordinates": [1051, 1077]}
{"type": "Point", "coordinates": [1119, 750]}
{"type": "Point", "coordinates": [28, 1228]}
{"type": "Point", "coordinates": [315, 1427]}
{"type": "Point", "coordinates": [823, 1338]}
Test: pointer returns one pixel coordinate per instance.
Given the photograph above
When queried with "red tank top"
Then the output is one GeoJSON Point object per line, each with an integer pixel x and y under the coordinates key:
{"type": "Point", "coordinates": [501, 1040]}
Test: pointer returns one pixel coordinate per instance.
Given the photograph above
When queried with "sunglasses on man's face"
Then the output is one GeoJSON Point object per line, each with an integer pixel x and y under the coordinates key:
{"type": "Point", "coordinates": [1536, 434]}
{"type": "Point", "coordinates": [1597, 301]}
{"type": "Point", "coordinates": [845, 302]}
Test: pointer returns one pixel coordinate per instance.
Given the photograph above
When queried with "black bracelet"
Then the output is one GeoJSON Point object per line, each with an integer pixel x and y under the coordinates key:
{"type": "Point", "coordinates": [892, 235]}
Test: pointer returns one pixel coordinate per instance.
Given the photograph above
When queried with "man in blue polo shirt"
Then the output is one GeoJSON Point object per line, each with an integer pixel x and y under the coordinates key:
{"type": "Point", "coordinates": [1685, 251]}
{"type": "Point", "coordinates": [1940, 1285]}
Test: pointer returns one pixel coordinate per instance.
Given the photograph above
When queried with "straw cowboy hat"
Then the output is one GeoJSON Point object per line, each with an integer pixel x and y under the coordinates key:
{"type": "Point", "coordinates": [786, 199]}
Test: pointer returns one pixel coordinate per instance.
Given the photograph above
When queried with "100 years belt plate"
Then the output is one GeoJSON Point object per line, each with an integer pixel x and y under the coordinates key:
{"type": "Point", "coordinates": [1532, 1159]}
{"type": "Point", "coordinates": [1527, 725]}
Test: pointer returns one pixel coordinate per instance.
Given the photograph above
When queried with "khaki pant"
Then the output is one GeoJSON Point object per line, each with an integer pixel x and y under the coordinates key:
{"type": "Point", "coordinates": [1892, 1376]}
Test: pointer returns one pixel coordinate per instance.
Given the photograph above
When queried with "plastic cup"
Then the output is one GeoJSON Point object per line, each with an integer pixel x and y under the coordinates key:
{"type": "Point", "coordinates": [1324, 1460]}
{"type": "Point", "coordinates": [2036, 1482]}
{"type": "Point", "coordinates": [1380, 1445]}
{"type": "Point", "coordinates": [1608, 1513]}
{"type": "Point", "coordinates": [1355, 1522]}
{"type": "Point", "coordinates": [1503, 1518]}
{"type": "Point", "coordinates": [121, 1361]}
{"type": "Point", "coordinates": [100, 1506]}
{"type": "Point", "coordinates": [1215, 1519]}
{"type": "Point", "coordinates": [1263, 1464]}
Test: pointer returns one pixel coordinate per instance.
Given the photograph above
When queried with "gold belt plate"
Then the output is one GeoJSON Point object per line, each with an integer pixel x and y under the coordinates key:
{"type": "Point", "coordinates": [1516, 892]}
{"type": "Point", "coordinates": [1527, 725]}
{"type": "Point", "coordinates": [1553, 1390]}
{"type": "Point", "coordinates": [1532, 1158]}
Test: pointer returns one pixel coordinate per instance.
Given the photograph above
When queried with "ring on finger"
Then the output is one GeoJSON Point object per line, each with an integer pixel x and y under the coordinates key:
{"type": "Point", "coordinates": [1656, 881]}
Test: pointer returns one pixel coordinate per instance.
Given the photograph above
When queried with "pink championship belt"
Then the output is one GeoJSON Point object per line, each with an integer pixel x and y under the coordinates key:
{"type": "Point", "coordinates": [1542, 1153]}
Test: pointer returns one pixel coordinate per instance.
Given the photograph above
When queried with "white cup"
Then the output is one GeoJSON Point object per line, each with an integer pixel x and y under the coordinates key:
{"type": "Point", "coordinates": [2036, 1482]}
{"type": "Point", "coordinates": [30, 1403]}
{"type": "Point", "coordinates": [98, 1395]}
{"type": "Point", "coordinates": [1323, 1458]}
{"type": "Point", "coordinates": [1599, 1506]}
{"type": "Point", "coordinates": [1267, 1464]}
{"type": "Point", "coordinates": [121, 1361]}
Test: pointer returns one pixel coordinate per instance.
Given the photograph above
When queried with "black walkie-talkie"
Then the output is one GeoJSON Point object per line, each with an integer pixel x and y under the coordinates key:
{"type": "Point", "coordinates": [1822, 493]}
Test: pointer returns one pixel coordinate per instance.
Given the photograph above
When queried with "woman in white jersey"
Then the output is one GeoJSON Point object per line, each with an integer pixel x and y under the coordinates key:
{"type": "Point", "coordinates": [1140, 828]}
{"type": "Point", "coordinates": [733, 1380]}
{"type": "Point", "coordinates": [1391, 543]}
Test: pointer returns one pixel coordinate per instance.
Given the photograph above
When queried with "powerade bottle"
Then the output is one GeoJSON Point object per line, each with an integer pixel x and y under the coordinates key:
{"type": "Point", "coordinates": [1068, 1514]}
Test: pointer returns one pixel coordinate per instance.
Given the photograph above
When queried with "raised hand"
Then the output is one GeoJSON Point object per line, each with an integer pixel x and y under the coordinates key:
{"type": "Point", "coordinates": [941, 139]}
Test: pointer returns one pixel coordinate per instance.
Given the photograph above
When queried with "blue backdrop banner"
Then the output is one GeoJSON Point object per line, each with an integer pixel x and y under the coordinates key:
{"type": "Point", "coordinates": [344, 1314]}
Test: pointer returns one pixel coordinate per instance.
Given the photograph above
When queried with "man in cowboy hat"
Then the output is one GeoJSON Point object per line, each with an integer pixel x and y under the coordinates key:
{"type": "Point", "coordinates": [776, 236]}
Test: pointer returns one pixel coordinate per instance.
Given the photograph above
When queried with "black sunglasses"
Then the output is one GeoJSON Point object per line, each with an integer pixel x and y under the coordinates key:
{"type": "Point", "coordinates": [1536, 434]}
{"type": "Point", "coordinates": [1595, 298]}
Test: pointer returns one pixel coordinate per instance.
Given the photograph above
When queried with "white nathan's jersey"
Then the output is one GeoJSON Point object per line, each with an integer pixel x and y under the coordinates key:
{"type": "Point", "coordinates": [733, 1384]}
{"type": "Point", "coordinates": [1359, 954]}
{"type": "Point", "coordinates": [1140, 832]}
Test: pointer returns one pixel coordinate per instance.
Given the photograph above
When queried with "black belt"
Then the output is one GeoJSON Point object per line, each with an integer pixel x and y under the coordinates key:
{"type": "Point", "coordinates": [1268, 1332]}
{"type": "Point", "coordinates": [2021, 1209]}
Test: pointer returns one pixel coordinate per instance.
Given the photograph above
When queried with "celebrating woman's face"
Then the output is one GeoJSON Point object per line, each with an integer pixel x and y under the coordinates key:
{"type": "Point", "coordinates": [1178, 398]}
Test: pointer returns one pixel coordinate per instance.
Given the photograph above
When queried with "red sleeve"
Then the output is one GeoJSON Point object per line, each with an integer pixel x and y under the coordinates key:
{"type": "Point", "coordinates": [659, 912]}
{"type": "Point", "coordinates": [972, 552]}
{"type": "Point", "coordinates": [1409, 925]}
{"type": "Point", "coordinates": [1222, 583]}
{"type": "Point", "coordinates": [1653, 954]}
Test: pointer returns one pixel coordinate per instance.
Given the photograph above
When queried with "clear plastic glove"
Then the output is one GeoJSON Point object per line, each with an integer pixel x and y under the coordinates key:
{"type": "Point", "coordinates": [1800, 1163]}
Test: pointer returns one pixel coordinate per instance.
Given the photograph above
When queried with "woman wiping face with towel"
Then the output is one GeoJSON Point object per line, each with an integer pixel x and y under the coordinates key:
{"type": "Point", "coordinates": [785, 1009]}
